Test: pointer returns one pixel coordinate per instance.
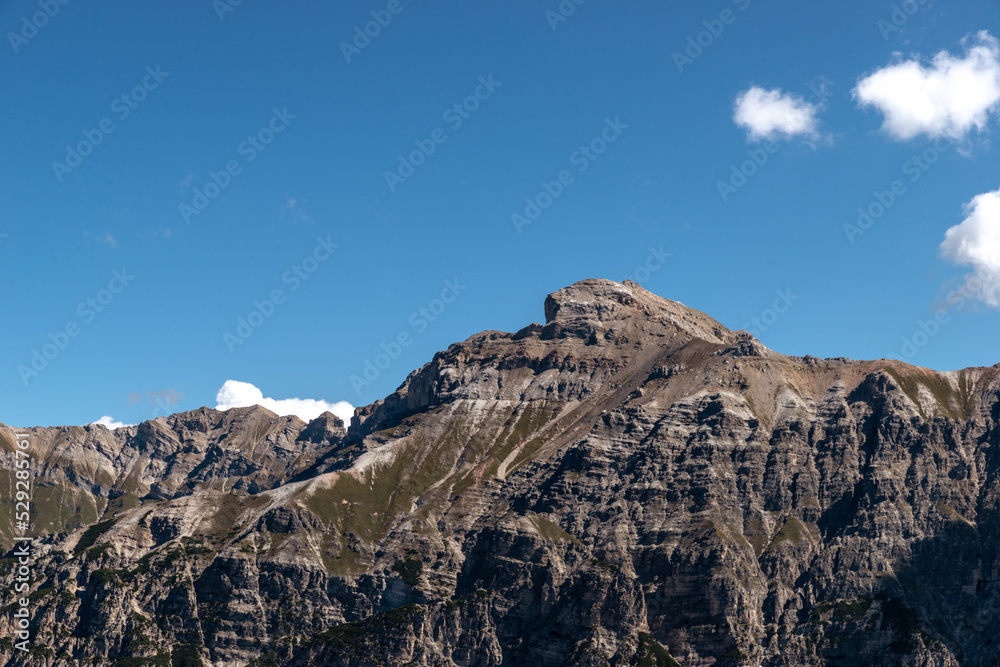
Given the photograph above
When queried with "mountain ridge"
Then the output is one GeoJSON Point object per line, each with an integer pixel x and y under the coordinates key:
{"type": "Point", "coordinates": [628, 483]}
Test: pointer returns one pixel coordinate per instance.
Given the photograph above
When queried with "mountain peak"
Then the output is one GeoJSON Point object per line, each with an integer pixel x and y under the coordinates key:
{"type": "Point", "coordinates": [606, 301]}
{"type": "Point", "coordinates": [628, 444]}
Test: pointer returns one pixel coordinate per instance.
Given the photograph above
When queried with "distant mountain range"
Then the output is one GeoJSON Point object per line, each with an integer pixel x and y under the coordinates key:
{"type": "Point", "coordinates": [630, 483]}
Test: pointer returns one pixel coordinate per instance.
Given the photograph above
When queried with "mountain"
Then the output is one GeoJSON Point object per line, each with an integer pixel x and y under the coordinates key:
{"type": "Point", "coordinates": [630, 483]}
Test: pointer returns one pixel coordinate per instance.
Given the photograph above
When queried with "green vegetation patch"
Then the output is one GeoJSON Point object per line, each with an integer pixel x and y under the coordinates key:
{"type": "Point", "coordinates": [729, 534]}
{"type": "Point", "coordinates": [186, 655]}
{"type": "Point", "coordinates": [843, 610]}
{"type": "Point", "coordinates": [123, 503]}
{"type": "Point", "coordinates": [230, 508]}
{"type": "Point", "coordinates": [551, 531]}
{"type": "Point", "coordinates": [364, 505]}
{"type": "Point", "coordinates": [947, 510]}
{"type": "Point", "coordinates": [535, 415]}
{"type": "Point", "coordinates": [90, 536]}
{"type": "Point", "coordinates": [793, 532]}
{"type": "Point", "coordinates": [652, 654]}
{"type": "Point", "coordinates": [756, 534]}
{"type": "Point", "coordinates": [527, 453]}
{"type": "Point", "coordinates": [146, 564]}
{"type": "Point", "coordinates": [56, 508]}
{"type": "Point", "coordinates": [160, 660]}
{"type": "Point", "coordinates": [98, 552]}
{"type": "Point", "coordinates": [954, 404]}
{"type": "Point", "coordinates": [605, 565]}
{"type": "Point", "coordinates": [269, 659]}
{"type": "Point", "coordinates": [409, 570]}
{"type": "Point", "coordinates": [40, 593]}
{"type": "Point", "coordinates": [853, 609]}
{"type": "Point", "coordinates": [353, 636]}
{"type": "Point", "coordinates": [346, 636]}
{"type": "Point", "coordinates": [142, 567]}
{"type": "Point", "coordinates": [108, 576]}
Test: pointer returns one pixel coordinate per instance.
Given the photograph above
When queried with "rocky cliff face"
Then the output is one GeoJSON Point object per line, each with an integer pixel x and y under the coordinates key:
{"type": "Point", "coordinates": [628, 484]}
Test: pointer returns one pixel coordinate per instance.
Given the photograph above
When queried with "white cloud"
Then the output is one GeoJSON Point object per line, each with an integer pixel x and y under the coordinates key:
{"type": "Point", "coordinates": [110, 423]}
{"type": "Point", "coordinates": [234, 394]}
{"type": "Point", "coordinates": [772, 114]}
{"type": "Point", "coordinates": [975, 242]}
{"type": "Point", "coordinates": [949, 98]}
{"type": "Point", "coordinates": [291, 211]}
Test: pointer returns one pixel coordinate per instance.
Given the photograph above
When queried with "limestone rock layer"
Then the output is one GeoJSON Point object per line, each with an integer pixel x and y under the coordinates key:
{"type": "Point", "coordinates": [629, 483]}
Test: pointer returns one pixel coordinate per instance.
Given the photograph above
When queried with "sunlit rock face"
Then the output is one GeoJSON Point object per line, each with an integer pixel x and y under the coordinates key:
{"type": "Point", "coordinates": [629, 483]}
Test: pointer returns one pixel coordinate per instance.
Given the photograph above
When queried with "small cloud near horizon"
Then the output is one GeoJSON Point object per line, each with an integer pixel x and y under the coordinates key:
{"type": "Point", "coordinates": [110, 423]}
{"type": "Point", "coordinates": [235, 394]}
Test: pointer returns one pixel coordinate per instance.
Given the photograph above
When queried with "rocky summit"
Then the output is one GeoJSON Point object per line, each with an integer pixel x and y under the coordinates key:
{"type": "Point", "coordinates": [629, 483]}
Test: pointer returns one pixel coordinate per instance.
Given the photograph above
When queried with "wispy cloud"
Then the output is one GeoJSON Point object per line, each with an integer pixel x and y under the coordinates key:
{"type": "Point", "coordinates": [951, 97]}
{"type": "Point", "coordinates": [291, 211]}
{"type": "Point", "coordinates": [164, 396]}
{"type": "Point", "coordinates": [109, 239]}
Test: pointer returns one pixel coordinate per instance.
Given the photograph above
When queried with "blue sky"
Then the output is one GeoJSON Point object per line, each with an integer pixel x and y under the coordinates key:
{"type": "Point", "coordinates": [236, 151]}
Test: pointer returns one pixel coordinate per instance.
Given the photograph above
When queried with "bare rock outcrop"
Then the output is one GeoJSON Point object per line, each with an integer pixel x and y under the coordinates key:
{"type": "Point", "coordinates": [629, 483]}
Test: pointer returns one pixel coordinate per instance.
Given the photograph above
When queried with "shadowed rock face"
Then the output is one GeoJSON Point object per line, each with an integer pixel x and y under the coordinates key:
{"type": "Point", "coordinates": [629, 483]}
